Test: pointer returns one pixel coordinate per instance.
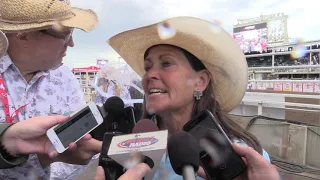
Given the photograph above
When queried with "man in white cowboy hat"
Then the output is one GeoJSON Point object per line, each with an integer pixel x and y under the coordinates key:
{"type": "Point", "coordinates": [34, 81]}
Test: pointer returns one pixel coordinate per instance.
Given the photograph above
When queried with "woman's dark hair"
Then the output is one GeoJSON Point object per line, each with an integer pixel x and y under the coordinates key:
{"type": "Point", "coordinates": [209, 102]}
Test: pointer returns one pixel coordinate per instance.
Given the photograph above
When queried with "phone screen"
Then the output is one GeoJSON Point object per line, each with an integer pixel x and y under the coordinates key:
{"type": "Point", "coordinates": [227, 164]}
{"type": "Point", "coordinates": [78, 125]}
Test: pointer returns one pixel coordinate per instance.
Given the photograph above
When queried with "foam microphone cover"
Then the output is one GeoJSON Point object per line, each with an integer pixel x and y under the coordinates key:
{"type": "Point", "coordinates": [183, 149]}
{"type": "Point", "coordinates": [115, 106]}
{"type": "Point", "coordinates": [145, 125]}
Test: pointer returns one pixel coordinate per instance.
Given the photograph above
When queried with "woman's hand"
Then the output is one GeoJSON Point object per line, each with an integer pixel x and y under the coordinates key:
{"type": "Point", "coordinates": [257, 166]}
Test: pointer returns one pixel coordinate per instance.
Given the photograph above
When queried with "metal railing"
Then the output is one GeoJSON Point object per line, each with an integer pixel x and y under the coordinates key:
{"type": "Point", "coordinates": [280, 105]}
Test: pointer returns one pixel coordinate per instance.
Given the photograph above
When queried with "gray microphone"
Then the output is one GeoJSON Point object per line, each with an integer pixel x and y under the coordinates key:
{"type": "Point", "coordinates": [183, 151]}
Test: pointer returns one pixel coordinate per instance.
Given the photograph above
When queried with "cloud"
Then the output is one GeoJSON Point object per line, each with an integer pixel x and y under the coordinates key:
{"type": "Point", "coordinates": [119, 15]}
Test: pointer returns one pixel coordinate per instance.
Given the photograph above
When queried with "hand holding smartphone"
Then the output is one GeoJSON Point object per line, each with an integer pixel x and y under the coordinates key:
{"type": "Point", "coordinates": [81, 122]}
{"type": "Point", "coordinates": [218, 160]}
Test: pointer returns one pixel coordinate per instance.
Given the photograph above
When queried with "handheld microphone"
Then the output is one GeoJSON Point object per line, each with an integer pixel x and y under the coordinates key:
{"type": "Point", "coordinates": [113, 112]}
{"type": "Point", "coordinates": [112, 169]}
{"type": "Point", "coordinates": [145, 145]}
{"type": "Point", "coordinates": [183, 151]}
{"type": "Point", "coordinates": [116, 118]}
{"type": "Point", "coordinates": [130, 117]}
{"type": "Point", "coordinates": [145, 125]}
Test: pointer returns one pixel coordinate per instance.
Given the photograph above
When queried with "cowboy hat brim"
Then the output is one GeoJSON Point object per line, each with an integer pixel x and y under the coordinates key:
{"type": "Point", "coordinates": [216, 48]}
{"type": "Point", "coordinates": [3, 44]}
{"type": "Point", "coordinates": [85, 20]}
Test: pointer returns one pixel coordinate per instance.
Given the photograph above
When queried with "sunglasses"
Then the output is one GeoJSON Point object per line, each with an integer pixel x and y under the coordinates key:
{"type": "Point", "coordinates": [58, 35]}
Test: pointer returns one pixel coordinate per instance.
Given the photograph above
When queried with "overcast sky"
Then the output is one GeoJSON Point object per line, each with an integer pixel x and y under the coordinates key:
{"type": "Point", "coordinates": [119, 15]}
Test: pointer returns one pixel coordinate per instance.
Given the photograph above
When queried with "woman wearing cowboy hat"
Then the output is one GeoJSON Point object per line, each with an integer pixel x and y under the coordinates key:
{"type": "Point", "coordinates": [187, 65]}
{"type": "Point", "coordinates": [36, 83]}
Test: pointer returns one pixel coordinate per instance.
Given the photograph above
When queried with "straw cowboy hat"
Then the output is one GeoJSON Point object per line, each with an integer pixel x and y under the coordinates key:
{"type": "Point", "coordinates": [216, 48]}
{"type": "Point", "coordinates": [33, 15]}
{"type": "Point", "coordinates": [3, 44]}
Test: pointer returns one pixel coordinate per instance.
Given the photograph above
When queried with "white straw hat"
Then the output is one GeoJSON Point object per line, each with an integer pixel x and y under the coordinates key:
{"type": "Point", "coordinates": [212, 45]}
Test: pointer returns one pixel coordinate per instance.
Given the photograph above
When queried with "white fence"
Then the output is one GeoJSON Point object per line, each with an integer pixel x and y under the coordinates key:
{"type": "Point", "coordinates": [273, 104]}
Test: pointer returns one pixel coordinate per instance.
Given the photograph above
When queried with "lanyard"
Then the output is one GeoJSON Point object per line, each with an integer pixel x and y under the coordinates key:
{"type": "Point", "coordinates": [5, 102]}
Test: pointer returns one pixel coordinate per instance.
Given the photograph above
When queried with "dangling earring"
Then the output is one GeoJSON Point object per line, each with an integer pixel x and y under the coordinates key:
{"type": "Point", "coordinates": [197, 94]}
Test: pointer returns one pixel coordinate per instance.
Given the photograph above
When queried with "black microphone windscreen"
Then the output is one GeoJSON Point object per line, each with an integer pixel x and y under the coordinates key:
{"type": "Point", "coordinates": [114, 105]}
{"type": "Point", "coordinates": [145, 125]}
{"type": "Point", "coordinates": [183, 149]}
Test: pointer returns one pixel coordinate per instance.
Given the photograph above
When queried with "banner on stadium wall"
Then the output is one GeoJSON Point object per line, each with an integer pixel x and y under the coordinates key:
{"type": "Point", "coordinates": [269, 86]}
{"type": "Point", "coordinates": [277, 86]}
{"type": "Point", "coordinates": [287, 86]}
{"type": "Point", "coordinates": [261, 86]}
{"type": "Point", "coordinates": [308, 87]}
{"type": "Point", "coordinates": [297, 87]}
{"type": "Point", "coordinates": [317, 87]}
{"type": "Point", "coordinates": [250, 85]}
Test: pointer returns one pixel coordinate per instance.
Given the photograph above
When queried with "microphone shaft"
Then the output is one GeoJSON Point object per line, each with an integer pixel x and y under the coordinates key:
{"type": "Point", "coordinates": [188, 173]}
{"type": "Point", "coordinates": [112, 169]}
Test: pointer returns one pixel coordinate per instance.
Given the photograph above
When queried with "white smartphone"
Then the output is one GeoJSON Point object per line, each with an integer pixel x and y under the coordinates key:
{"type": "Point", "coordinates": [81, 122]}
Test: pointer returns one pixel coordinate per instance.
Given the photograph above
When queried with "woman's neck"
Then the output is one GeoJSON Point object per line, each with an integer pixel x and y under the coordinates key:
{"type": "Point", "coordinates": [174, 121]}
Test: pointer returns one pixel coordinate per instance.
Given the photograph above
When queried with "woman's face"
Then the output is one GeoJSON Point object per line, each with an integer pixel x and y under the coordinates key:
{"type": "Point", "coordinates": [169, 81]}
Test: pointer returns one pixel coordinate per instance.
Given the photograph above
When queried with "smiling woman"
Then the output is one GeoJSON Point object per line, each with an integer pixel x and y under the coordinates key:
{"type": "Point", "coordinates": [186, 67]}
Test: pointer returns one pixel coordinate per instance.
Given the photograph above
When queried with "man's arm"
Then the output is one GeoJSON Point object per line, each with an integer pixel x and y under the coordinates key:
{"type": "Point", "coordinates": [7, 160]}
